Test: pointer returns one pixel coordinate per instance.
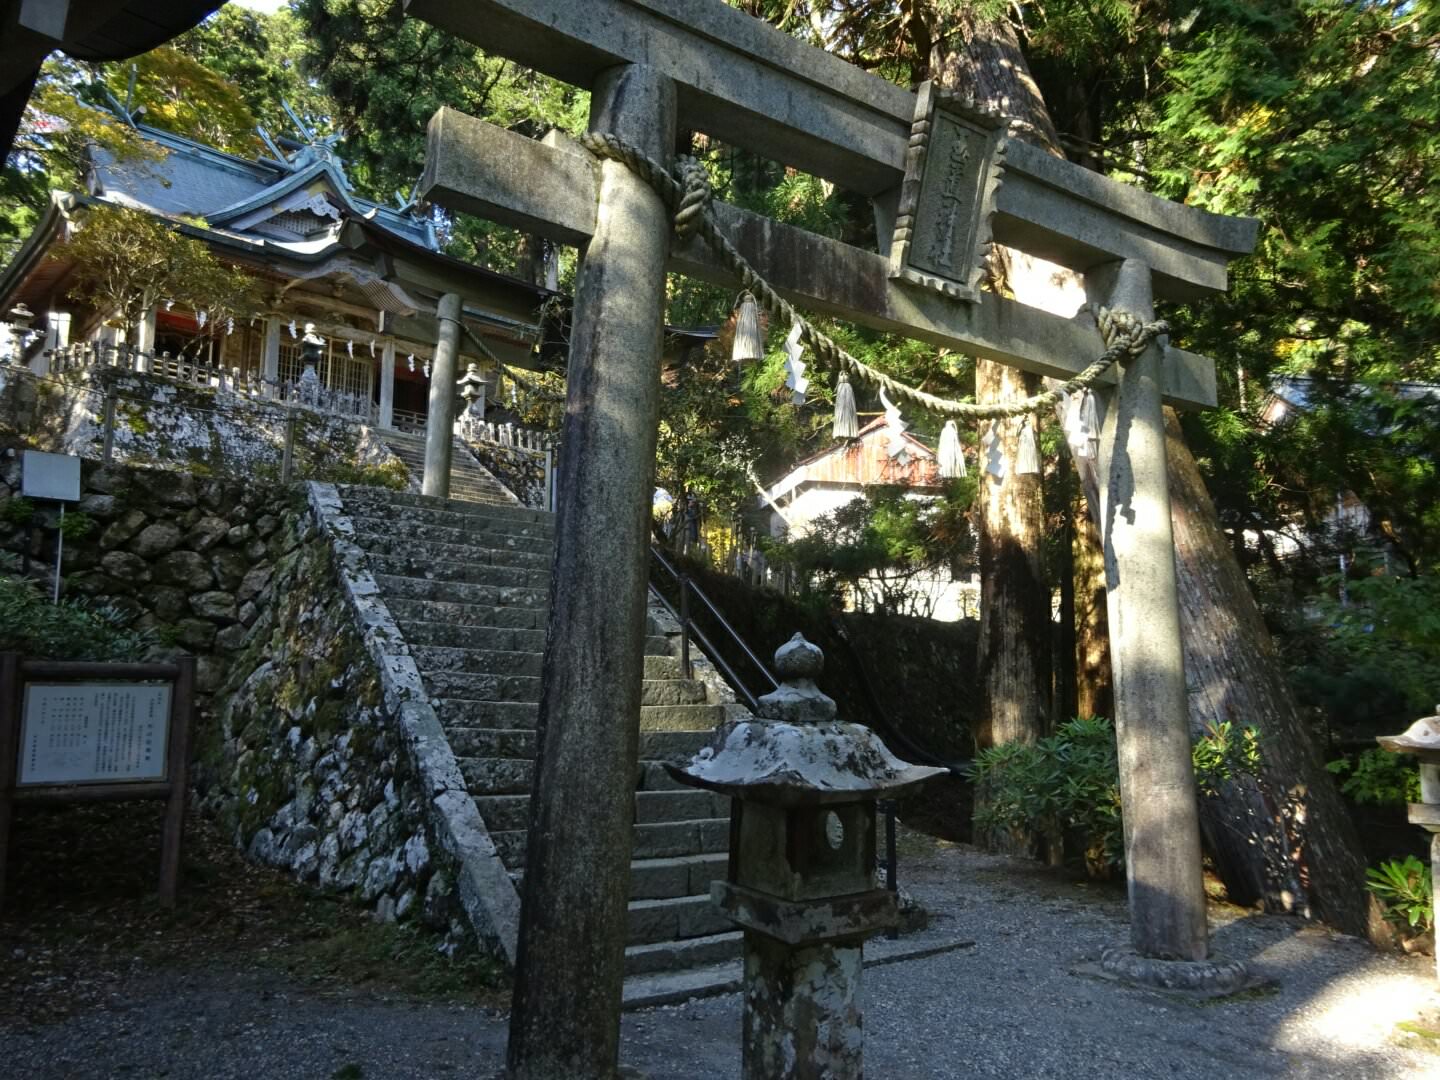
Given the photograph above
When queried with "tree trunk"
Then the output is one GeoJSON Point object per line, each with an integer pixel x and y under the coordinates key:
{"type": "Point", "coordinates": [1284, 837]}
{"type": "Point", "coordinates": [1094, 691]}
{"type": "Point", "coordinates": [1013, 662]}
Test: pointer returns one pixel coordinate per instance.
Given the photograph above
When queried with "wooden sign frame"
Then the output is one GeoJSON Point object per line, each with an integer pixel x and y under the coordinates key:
{"type": "Point", "coordinates": [15, 674]}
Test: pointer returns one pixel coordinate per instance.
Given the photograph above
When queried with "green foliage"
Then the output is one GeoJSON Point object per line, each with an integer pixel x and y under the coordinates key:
{"type": "Point", "coordinates": [1408, 892]}
{"type": "Point", "coordinates": [1388, 626]}
{"type": "Point", "coordinates": [1071, 781]}
{"type": "Point", "coordinates": [128, 261]}
{"type": "Point", "coordinates": [76, 525]}
{"type": "Point", "coordinates": [1378, 778]}
{"type": "Point", "coordinates": [17, 511]}
{"type": "Point", "coordinates": [70, 630]}
{"type": "Point", "coordinates": [876, 547]}
{"type": "Point", "coordinates": [392, 474]}
{"type": "Point", "coordinates": [1067, 781]}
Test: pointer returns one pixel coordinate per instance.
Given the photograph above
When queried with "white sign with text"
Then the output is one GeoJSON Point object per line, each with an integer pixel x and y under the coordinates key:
{"type": "Point", "coordinates": [99, 732]}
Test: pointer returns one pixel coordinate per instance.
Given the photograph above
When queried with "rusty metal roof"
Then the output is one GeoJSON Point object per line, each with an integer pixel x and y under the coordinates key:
{"type": "Point", "coordinates": [865, 460]}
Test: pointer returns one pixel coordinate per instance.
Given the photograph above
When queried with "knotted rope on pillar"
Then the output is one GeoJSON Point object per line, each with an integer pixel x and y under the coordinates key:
{"type": "Point", "coordinates": [688, 196]}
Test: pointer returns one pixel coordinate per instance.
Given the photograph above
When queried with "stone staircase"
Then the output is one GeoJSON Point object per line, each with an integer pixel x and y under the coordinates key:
{"type": "Point", "coordinates": [467, 583]}
{"type": "Point", "coordinates": [470, 481]}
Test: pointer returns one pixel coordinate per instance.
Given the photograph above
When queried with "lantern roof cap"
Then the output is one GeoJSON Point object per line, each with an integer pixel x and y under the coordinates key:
{"type": "Point", "coordinates": [1422, 738]}
{"type": "Point", "coordinates": [797, 753]}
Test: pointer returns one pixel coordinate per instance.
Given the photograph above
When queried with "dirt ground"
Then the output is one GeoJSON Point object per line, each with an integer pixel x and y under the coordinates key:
{"type": "Point", "coordinates": [253, 976]}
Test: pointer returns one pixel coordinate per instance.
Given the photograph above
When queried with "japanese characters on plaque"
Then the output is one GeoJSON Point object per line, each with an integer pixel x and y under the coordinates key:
{"type": "Point", "coordinates": [953, 168]}
{"type": "Point", "coordinates": [78, 733]}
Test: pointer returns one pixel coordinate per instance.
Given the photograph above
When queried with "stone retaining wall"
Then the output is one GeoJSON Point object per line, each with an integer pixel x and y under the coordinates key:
{"type": "Point", "coordinates": [190, 557]}
{"type": "Point", "coordinates": [309, 768]}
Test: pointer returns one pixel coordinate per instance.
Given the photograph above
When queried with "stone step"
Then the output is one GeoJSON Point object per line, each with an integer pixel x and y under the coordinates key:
{"type": "Point", "coordinates": [443, 512]}
{"type": "Point", "coordinates": [511, 715]}
{"type": "Point", "coordinates": [407, 588]}
{"type": "Point", "coordinates": [473, 573]}
{"type": "Point", "coordinates": [459, 613]}
{"type": "Point", "coordinates": [473, 742]}
{"type": "Point", "coordinates": [512, 639]}
{"type": "Point", "coordinates": [480, 531]}
{"type": "Point", "coordinates": [657, 840]}
{"type": "Point", "coordinates": [688, 875]}
{"type": "Point", "coordinates": [673, 918]}
{"type": "Point", "coordinates": [473, 546]}
{"type": "Point", "coordinates": [496, 554]}
{"type": "Point", "coordinates": [475, 686]}
{"type": "Point", "coordinates": [666, 730]}
{"type": "Point", "coordinates": [672, 692]}
{"type": "Point", "coordinates": [489, 661]}
{"type": "Point", "coordinates": [691, 952]}
{"type": "Point", "coordinates": [480, 661]}
{"type": "Point", "coordinates": [449, 635]}
{"type": "Point", "coordinates": [497, 776]}
{"type": "Point", "coordinates": [696, 719]}
{"type": "Point", "coordinates": [487, 686]}
{"type": "Point", "coordinates": [506, 813]}
{"type": "Point", "coordinates": [468, 532]}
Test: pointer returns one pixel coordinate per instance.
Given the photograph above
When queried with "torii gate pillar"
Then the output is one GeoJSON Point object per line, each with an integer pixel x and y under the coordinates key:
{"type": "Point", "coordinates": [563, 1022]}
{"type": "Point", "coordinates": [1157, 782]}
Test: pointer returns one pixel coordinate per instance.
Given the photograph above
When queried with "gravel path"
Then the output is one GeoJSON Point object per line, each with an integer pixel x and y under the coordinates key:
{"type": "Point", "coordinates": [1010, 1006]}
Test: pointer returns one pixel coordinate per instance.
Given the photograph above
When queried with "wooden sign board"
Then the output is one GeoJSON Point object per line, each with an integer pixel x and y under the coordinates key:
{"type": "Point", "coordinates": [83, 732]}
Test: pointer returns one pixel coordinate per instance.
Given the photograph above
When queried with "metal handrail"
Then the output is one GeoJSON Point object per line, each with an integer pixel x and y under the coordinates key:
{"type": "Point", "coordinates": [688, 629]}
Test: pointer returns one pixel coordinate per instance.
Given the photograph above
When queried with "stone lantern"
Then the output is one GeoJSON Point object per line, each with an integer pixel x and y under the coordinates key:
{"type": "Point", "coordinates": [1422, 739]}
{"type": "Point", "coordinates": [472, 388]}
{"type": "Point", "coordinates": [312, 347]}
{"type": "Point", "coordinates": [802, 863]}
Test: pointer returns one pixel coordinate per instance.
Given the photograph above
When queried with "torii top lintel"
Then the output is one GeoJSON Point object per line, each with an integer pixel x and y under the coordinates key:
{"type": "Point", "coordinates": [748, 84]}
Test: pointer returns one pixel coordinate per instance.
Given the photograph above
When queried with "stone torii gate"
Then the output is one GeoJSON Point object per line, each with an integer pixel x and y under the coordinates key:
{"type": "Point", "coordinates": [658, 67]}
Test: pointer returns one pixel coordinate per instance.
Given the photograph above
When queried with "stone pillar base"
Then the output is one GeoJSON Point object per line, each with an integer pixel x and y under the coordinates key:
{"type": "Point", "coordinates": [802, 1011]}
{"type": "Point", "coordinates": [1215, 977]}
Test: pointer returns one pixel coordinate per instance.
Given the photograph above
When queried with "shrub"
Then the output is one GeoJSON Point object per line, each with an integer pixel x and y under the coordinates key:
{"type": "Point", "coordinates": [1379, 778]}
{"type": "Point", "coordinates": [1071, 781]}
{"type": "Point", "coordinates": [70, 630]}
{"type": "Point", "coordinates": [1407, 890]}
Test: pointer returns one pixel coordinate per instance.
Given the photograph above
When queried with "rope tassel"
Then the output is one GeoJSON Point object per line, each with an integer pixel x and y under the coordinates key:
{"type": "Point", "coordinates": [847, 424]}
{"type": "Point", "coordinates": [951, 454]}
{"type": "Point", "coordinates": [1027, 458]}
{"type": "Point", "coordinates": [748, 344]}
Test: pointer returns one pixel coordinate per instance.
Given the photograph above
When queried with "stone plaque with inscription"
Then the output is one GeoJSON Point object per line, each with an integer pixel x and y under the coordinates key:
{"type": "Point", "coordinates": [96, 732]}
{"type": "Point", "coordinates": [953, 168]}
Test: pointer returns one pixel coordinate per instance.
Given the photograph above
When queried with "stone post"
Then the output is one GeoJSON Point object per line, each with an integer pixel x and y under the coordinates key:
{"type": "Point", "coordinates": [270, 359]}
{"type": "Point", "coordinates": [1157, 782]}
{"type": "Point", "coordinates": [565, 1019]}
{"type": "Point", "coordinates": [440, 419]}
{"type": "Point", "coordinates": [1422, 739]}
{"type": "Point", "coordinates": [801, 883]}
{"type": "Point", "coordinates": [386, 418]}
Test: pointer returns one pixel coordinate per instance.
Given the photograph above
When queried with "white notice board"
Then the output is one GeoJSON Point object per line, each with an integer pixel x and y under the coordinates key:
{"type": "Point", "coordinates": [50, 476]}
{"type": "Point", "coordinates": [99, 732]}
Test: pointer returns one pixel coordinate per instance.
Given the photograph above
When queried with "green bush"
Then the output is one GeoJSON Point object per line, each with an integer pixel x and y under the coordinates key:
{"type": "Point", "coordinates": [1406, 889]}
{"type": "Point", "coordinates": [77, 526]}
{"type": "Point", "coordinates": [1379, 778]}
{"type": "Point", "coordinates": [17, 511]}
{"type": "Point", "coordinates": [70, 630]}
{"type": "Point", "coordinates": [1071, 781]}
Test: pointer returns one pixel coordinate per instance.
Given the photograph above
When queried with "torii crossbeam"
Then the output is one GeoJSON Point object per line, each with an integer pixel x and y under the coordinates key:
{"type": "Point", "coordinates": [656, 67]}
